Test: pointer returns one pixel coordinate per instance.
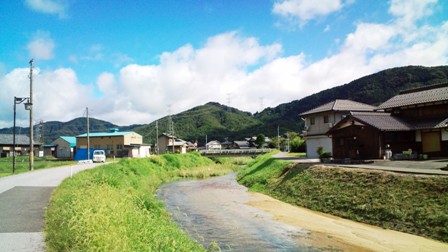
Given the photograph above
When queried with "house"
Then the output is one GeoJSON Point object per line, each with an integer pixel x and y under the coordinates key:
{"type": "Point", "coordinates": [116, 143]}
{"type": "Point", "coordinates": [241, 144]}
{"type": "Point", "coordinates": [64, 147]}
{"type": "Point", "coordinates": [171, 144]}
{"type": "Point", "coordinates": [213, 145]}
{"type": "Point", "coordinates": [410, 124]}
{"type": "Point", "coordinates": [22, 145]}
{"type": "Point", "coordinates": [319, 120]}
{"type": "Point", "coordinates": [253, 142]}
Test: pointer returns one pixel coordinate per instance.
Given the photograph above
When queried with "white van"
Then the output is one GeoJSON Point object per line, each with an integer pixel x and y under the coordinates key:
{"type": "Point", "coordinates": [99, 156]}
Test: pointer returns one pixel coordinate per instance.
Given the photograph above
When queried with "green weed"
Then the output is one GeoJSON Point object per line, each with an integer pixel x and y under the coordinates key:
{"type": "Point", "coordinates": [113, 207]}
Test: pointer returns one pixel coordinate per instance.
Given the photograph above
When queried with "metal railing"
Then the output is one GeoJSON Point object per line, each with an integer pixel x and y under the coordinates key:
{"type": "Point", "coordinates": [235, 152]}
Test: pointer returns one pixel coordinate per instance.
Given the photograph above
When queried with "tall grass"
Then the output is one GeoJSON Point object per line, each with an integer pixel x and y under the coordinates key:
{"type": "Point", "coordinates": [22, 164]}
{"type": "Point", "coordinates": [114, 208]}
{"type": "Point", "coordinates": [408, 203]}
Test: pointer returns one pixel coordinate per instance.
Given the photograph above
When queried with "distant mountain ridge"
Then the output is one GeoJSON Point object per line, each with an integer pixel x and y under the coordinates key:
{"type": "Point", "coordinates": [213, 121]}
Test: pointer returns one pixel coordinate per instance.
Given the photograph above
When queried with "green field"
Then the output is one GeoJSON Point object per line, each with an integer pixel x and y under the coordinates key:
{"type": "Point", "coordinates": [22, 164]}
{"type": "Point", "coordinates": [408, 203]}
{"type": "Point", "coordinates": [114, 208]}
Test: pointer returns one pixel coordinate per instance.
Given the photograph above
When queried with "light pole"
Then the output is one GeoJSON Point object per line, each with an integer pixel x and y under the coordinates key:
{"type": "Point", "coordinates": [17, 100]}
{"type": "Point", "coordinates": [31, 116]}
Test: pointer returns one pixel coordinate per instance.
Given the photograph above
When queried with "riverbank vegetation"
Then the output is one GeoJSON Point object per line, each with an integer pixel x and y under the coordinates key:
{"type": "Point", "coordinates": [114, 207]}
{"type": "Point", "coordinates": [402, 202]}
{"type": "Point", "coordinates": [22, 164]}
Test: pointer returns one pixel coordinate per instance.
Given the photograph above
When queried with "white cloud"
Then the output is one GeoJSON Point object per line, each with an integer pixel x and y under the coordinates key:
{"type": "Point", "coordinates": [57, 95]}
{"type": "Point", "coordinates": [302, 11]}
{"type": "Point", "coordinates": [409, 11]}
{"type": "Point", "coordinates": [58, 7]}
{"type": "Point", "coordinates": [41, 46]}
{"type": "Point", "coordinates": [231, 63]}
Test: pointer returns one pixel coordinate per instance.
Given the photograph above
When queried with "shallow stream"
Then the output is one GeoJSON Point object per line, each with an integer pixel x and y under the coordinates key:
{"type": "Point", "coordinates": [213, 211]}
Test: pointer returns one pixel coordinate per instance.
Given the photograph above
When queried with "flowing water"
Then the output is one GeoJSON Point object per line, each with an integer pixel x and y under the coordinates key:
{"type": "Point", "coordinates": [214, 212]}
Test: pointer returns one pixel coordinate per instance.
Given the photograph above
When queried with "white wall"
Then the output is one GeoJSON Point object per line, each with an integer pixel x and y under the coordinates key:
{"type": "Point", "coordinates": [313, 142]}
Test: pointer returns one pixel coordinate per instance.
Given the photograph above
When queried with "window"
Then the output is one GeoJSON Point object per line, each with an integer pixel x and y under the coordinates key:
{"type": "Point", "coordinates": [312, 120]}
{"type": "Point", "coordinates": [325, 118]}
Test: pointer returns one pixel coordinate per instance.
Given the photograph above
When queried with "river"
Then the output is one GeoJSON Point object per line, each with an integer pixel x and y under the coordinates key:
{"type": "Point", "coordinates": [214, 211]}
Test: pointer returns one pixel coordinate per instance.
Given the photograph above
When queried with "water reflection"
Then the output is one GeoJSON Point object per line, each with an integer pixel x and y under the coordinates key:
{"type": "Point", "coordinates": [214, 211]}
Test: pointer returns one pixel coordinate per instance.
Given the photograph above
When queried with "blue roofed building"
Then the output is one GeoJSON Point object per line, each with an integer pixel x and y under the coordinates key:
{"type": "Point", "coordinates": [62, 147]}
{"type": "Point", "coordinates": [116, 143]}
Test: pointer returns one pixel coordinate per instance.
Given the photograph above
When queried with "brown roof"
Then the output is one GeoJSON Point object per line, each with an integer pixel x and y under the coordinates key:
{"type": "Point", "coordinates": [436, 93]}
{"type": "Point", "coordinates": [388, 122]}
{"type": "Point", "coordinates": [340, 105]}
{"type": "Point", "coordinates": [382, 121]}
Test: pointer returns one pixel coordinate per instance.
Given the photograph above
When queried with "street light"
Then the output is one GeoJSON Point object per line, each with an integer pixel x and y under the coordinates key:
{"type": "Point", "coordinates": [17, 100]}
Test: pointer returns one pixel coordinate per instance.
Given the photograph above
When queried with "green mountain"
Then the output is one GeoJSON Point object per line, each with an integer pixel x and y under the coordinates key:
{"type": "Point", "coordinates": [212, 121]}
{"type": "Point", "coordinates": [218, 122]}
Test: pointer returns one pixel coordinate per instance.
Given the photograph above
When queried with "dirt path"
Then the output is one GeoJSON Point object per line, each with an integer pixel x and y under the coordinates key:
{"type": "Point", "coordinates": [330, 232]}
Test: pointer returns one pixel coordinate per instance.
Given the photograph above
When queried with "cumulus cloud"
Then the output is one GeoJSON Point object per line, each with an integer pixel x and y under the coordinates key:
{"type": "Point", "coordinates": [231, 66]}
{"type": "Point", "coordinates": [57, 7]}
{"type": "Point", "coordinates": [41, 46]}
{"type": "Point", "coordinates": [57, 95]}
{"type": "Point", "coordinates": [302, 11]}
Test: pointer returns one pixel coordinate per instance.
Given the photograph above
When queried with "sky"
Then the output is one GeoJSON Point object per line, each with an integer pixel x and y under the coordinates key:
{"type": "Point", "coordinates": [133, 62]}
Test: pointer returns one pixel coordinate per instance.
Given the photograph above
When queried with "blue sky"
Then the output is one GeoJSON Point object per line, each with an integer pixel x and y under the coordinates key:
{"type": "Point", "coordinates": [136, 61]}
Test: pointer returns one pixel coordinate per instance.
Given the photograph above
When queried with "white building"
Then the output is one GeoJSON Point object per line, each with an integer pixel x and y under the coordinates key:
{"type": "Point", "coordinates": [321, 119]}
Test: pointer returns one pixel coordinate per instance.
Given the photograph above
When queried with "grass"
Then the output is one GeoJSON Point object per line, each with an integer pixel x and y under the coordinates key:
{"type": "Point", "coordinates": [22, 164]}
{"type": "Point", "coordinates": [408, 203]}
{"type": "Point", "coordinates": [114, 208]}
{"type": "Point", "coordinates": [297, 154]}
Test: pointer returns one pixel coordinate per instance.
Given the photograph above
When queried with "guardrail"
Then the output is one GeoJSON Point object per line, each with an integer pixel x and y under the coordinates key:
{"type": "Point", "coordinates": [235, 152]}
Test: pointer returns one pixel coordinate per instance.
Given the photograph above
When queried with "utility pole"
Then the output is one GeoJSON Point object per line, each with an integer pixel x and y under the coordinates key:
{"type": "Point", "coordinates": [157, 137]}
{"type": "Point", "coordinates": [278, 136]}
{"type": "Point", "coordinates": [31, 118]}
{"type": "Point", "coordinates": [88, 139]}
{"type": "Point", "coordinates": [172, 130]}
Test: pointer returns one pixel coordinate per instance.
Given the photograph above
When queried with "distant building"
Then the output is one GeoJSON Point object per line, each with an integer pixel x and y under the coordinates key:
{"type": "Point", "coordinates": [321, 119]}
{"type": "Point", "coordinates": [171, 144]}
{"type": "Point", "coordinates": [213, 145]}
{"type": "Point", "coordinates": [22, 145]}
{"type": "Point", "coordinates": [116, 143]}
{"type": "Point", "coordinates": [64, 147]}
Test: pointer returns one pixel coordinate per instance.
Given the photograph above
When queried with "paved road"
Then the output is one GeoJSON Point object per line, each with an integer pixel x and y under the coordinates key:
{"type": "Point", "coordinates": [23, 199]}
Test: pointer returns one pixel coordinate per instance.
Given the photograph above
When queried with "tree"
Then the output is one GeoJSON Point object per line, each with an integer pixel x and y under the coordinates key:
{"type": "Point", "coordinates": [260, 140]}
{"type": "Point", "coordinates": [297, 144]}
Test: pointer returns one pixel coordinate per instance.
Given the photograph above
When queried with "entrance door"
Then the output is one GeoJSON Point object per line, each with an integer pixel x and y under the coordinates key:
{"type": "Point", "coordinates": [431, 141]}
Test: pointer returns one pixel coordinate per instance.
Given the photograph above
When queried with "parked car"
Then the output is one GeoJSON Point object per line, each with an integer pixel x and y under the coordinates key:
{"type": "Point", "coordinates": [99, 156]}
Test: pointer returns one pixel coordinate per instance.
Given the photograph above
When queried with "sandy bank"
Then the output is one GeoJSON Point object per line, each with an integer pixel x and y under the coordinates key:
{"type": "Point", "coordinates": [327, 231]}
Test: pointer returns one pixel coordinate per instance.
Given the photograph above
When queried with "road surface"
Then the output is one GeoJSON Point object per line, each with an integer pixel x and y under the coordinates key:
{"type": "Point", "coordinates": [23, 199]}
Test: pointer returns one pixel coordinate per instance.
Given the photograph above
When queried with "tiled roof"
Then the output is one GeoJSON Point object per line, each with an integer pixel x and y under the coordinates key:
{"type": "Point", "coordinates": [7, 139]}
{"type": "Point", "coordinates": [382, 121]}
{"type": "Point", "coordinates": [103, 134]}
{"type": "Point", "coordinates": [438, 93]}
{"type": "Point", "coordinates": [387, 122]}
{"type": "Point", "coordinates": [340, 105]}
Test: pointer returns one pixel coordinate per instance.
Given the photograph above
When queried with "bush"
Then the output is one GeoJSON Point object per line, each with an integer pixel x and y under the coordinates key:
{"type": "Point", "coordinates": [297, 144]}
{"type": "Point", "coordinates": [324, 156]}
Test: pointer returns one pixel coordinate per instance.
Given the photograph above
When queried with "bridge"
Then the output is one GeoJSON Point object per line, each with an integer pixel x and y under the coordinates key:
{"type": "Point", "coordinates": [234, 152]}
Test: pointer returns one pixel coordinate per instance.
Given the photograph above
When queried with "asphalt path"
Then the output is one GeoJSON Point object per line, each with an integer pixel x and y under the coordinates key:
{"type": "Point", "coordinates": [23, 199]}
